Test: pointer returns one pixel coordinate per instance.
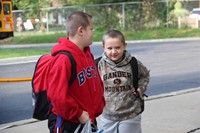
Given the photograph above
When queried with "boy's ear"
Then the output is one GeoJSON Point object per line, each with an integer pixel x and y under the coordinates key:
{"type": "Point", "coordinates": [102, 45]}
{"type": "Point", "coordinates": [80, 31]}
{"type": "Point", "coordinates": [125, 45]}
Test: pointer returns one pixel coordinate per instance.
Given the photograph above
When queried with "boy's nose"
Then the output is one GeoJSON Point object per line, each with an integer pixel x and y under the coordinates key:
{"type": "Point", "coordinates": [114, 50]}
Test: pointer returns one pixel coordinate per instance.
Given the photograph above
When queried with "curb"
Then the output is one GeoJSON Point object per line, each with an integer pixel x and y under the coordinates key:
{"type": "Point", "coordinates": [19, 60]}
{"type": "Point", "coordinates": [165, 95]}
{"type": "Point", "coordinates": [18, 123]}
{"type": "Point", "coordinates": [15, 79]}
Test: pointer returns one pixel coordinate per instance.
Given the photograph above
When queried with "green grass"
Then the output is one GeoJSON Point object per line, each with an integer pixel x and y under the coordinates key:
{"type": "Point", "coordinates": [129, 35]}
{"type": "Point", "coordinates": [10, 53]}
{"type": "Point", "coordinates": [36, 39]}
{"type": "Point", "coordinates": [31, 38]}
{"type": "Point", "coordinates": [162, 33]}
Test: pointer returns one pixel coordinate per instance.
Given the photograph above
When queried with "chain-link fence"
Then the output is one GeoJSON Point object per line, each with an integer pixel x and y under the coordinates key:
{"type": "Point", "coordinates": [124, 16]}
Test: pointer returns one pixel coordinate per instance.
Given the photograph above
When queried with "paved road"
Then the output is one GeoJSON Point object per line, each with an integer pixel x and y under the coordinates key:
{"type": "Point", "coordinates": [174, 65]}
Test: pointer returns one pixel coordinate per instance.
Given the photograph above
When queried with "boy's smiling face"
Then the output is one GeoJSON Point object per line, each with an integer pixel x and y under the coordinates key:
{"type": "Point", "coordinates": [114, 49]}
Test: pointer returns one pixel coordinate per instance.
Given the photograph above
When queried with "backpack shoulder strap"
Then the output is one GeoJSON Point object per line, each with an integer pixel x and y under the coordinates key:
{"type": "Point", "coordinates": [134, 68]}
{"type": "Point", "coordinates": [73, 66]}
{"type": "Point", "coordinates": [97, 60]}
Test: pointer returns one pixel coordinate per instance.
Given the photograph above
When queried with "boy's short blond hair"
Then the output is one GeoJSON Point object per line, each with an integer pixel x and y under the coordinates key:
{"type": "Point", "coordinates": [113, 34]}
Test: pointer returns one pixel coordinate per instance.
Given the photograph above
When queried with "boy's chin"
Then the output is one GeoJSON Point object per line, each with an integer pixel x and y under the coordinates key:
{"type": "Point", "coordinates": [116, 60]}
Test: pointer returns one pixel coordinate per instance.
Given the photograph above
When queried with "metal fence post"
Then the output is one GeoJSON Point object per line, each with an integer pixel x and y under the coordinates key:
{"type": "Point", "coordinates": [47, 23]}
{"type": "Point", "coordinates": [123, 16]}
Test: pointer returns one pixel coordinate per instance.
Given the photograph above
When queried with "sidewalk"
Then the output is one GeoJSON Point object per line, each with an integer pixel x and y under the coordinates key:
{"type": "Point", "coordinates": [176, 112]}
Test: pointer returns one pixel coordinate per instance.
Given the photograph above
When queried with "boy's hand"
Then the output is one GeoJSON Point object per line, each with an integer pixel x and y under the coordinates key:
{"type": "Point", "coordinates": [84, 117]}
{"type": "Point", "coordinates": [138, 92]}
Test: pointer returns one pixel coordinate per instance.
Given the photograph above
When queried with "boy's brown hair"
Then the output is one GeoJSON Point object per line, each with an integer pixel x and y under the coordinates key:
{"type": "Point", "coordinates": [77, 19]}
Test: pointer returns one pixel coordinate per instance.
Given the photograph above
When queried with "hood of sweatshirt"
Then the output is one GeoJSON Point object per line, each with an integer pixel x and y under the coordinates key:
{"type": "Point", "coordinates": [126, 59]}
{"type": "Point", "coordinates": [64, 44]}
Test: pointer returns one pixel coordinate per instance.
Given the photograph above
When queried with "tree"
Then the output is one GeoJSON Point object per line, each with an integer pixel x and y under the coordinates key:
{"type": "Point", "coordinates": [87, 2]}
{"type": "Point", "coordinates": [177, 11]}
{"type": "Point", "coordinates": [34, 9]}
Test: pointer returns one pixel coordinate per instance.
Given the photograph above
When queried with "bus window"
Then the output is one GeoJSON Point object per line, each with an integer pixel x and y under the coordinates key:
{"type": "Point", "coordinates": [6, 19]}
{"type": "Point", "coordinates": [6, 8]}
{"type": "Point", "coordinates": [0, 7]}
{"type": "Point", "coordinates": [0, 13]}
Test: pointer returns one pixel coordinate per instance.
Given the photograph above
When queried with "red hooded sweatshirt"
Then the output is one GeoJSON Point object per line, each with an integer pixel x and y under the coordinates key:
{"type": "Point", "coordinates": [85, 93]}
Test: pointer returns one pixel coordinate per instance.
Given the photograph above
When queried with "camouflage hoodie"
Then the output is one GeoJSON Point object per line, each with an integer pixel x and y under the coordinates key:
{"type": "Point", "coordinates": [121, 104]}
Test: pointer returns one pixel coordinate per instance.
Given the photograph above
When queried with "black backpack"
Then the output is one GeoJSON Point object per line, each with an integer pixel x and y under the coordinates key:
{"type": "Point", "coordinates": [134, 68]}
{"type": "Point", "coordinates": [41, 104]}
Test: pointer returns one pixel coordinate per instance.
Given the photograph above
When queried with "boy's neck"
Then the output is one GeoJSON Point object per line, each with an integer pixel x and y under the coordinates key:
{"type": "Point", "coordinates": [77, 43]}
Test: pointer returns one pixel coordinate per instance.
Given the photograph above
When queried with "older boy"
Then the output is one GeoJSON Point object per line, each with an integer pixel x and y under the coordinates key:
{"type": "Point", "coordinates": [84, 98]}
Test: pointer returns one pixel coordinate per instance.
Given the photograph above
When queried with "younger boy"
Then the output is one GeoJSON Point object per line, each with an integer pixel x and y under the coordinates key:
{"type": "Point", "coordinates": [123, 105]}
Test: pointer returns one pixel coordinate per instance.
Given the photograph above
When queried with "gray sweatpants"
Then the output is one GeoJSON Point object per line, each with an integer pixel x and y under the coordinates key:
{"type": "Point", "coordinates": [132, 125]}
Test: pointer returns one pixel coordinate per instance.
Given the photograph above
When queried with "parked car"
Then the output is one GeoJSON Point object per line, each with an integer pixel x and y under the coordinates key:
{"type": "Point", "coordinates": [195, 13]}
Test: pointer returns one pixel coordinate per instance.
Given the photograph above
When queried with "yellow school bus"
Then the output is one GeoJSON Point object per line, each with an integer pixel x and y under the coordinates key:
{"type": "Point", "coordinates": [6, 19]}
